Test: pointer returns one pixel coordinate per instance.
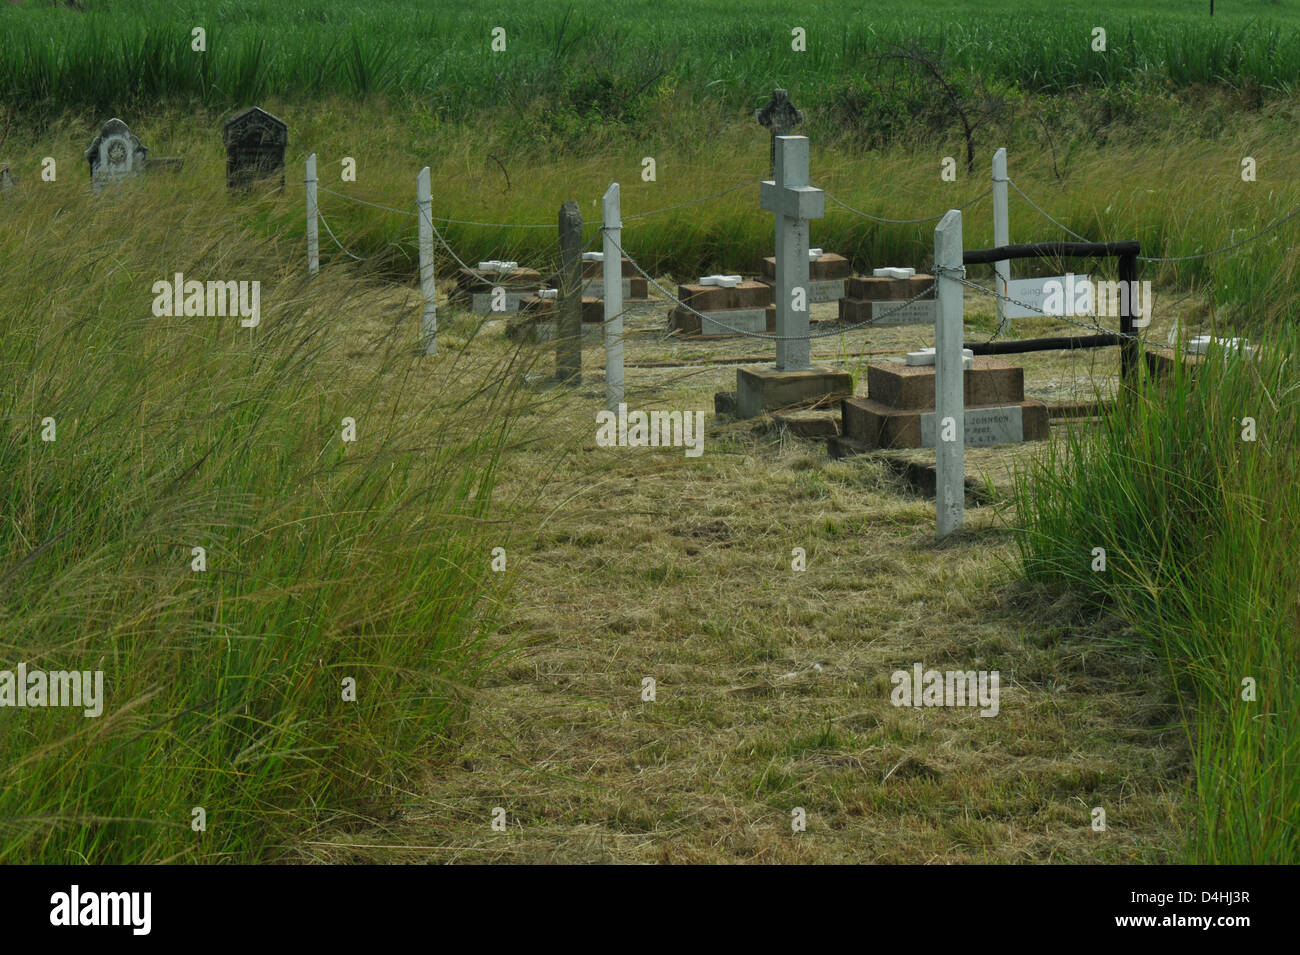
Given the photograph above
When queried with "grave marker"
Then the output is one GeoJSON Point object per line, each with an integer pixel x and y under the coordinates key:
{"type": "Point", "coordinates": [794, 381]}
{"type": "Point", "coordinates": [255, 144]}
{"type": "Point", "coordinates": [792, 201]}
{"type": "Point", "coordinates": [779, 117]}
{"type": "Point", "coordinates": [115, 155]}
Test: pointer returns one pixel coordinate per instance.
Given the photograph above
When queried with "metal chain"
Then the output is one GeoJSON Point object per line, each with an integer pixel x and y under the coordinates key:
{"type": "Point", "coordinates": [866, 215]}
{"type": "Point", "coordinates": [325, 223]}
{"type": "Point", "coordinates": [692, 202]}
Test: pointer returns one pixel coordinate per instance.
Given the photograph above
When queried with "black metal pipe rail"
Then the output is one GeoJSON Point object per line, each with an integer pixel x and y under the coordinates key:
{"type": "Point", "coordinates": [1126, 251]}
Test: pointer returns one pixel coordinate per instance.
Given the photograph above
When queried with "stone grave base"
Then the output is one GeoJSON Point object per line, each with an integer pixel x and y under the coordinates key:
{"type": "Point", "coordinates": [825, 290]}
{"type": "Point", "coordinates": [764, 389]}
{"type": "Point", "coordinates": [633, 289]}
{"type": "Point", "coordinates": [900, 410]}
{"type": "Point", "coordinates": [726, 323]}
{"type": "Point", "coordinates": [990, 381]}
{"type": "Point", "coordinates": [480, 303]}
{"type": "Point", "coordinates": [536, 320]}
{"type": "Point", "coordinates": [873, 424]}
{"type": "Point", "coordinates": [1161, 361]}
{"type": "Point", "coordinates": [867, 299]}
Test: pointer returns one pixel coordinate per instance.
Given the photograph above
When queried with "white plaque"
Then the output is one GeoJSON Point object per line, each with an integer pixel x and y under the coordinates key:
{"type": "Point", "coordinates": [921, 312]}
{"type": "Point", "coordinates": [984, 427]}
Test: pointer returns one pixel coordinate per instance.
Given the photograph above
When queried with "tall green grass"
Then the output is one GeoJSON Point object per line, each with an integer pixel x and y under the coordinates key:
{"type": "Point", "coordinates": [1200, 530]}
{"type": "Point", "coordinates": [593, 58]}
{"type": "Point", "coordinates": [325, 560]}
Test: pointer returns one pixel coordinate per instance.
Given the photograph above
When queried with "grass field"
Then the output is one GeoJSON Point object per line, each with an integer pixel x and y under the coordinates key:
{"type": "Point", "coordinates": [372, 560]}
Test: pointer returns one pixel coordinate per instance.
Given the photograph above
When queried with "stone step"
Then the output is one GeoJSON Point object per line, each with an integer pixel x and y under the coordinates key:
{"type": "Point", "coordinates": [544, 309]}
{"type": "Point", "coordinates": [517, 280]}
{"type": "Point", "coordinates": [829, 266]}
{"type": "Point", "coordinates": [764, 389]}
{"type": "Point", "coordinates": [721, 323]}
{"type": "Point", "coordinates": [872, 289]}
{"type": "Point", "coordinates": [809, 423]}
{"type": "Point", "coordinates": [713, 298]}
{"type": "Point", "coordinates": [633, 288]}
{"type": "Point", "coordinates": [877, 425]}
{"type": "Point", "coordinates": [990, 381]}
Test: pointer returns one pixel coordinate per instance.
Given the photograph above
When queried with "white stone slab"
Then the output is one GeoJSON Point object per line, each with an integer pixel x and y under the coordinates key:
{"type": "Point", "coordinates": [593, 256]}
{"type": "Point", "coordinates": [892, 273]}
{"type": "Point", "coordinates": [1201, 344]}
{"type": "Point", "coordinates": [731, 321]}
{"type": "Point", "coordinates": [917, 313]}
{"type": "Point", "coordinates": [482, 301]}
{"type": "Point", "coordinates": [926, 357]}
{"type": "Point", "coordinates": [1033, 292]}
{"type": "Point", "coordinates": [814, 255]}
{"type": "Point", "coordinates": [984, 427]}
{"type": "Point", "coordinates": [721, 281]}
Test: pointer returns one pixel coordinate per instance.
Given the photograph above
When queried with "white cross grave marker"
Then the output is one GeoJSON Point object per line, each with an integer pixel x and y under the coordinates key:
{"type": "Point", "coordinates": [793, 201]}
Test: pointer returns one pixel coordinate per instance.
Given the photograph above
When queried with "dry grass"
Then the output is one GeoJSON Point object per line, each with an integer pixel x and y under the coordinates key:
{"type": "Point", "coordinates": [773, 685]}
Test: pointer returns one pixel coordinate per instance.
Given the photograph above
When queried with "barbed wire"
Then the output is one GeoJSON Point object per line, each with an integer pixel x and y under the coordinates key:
{"type": "Point", "coordinates": [867, 215]}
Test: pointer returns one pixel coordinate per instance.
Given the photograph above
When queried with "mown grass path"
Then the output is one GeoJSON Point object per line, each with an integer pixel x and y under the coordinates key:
{"type": "Point", "coordinates": [772, 686]}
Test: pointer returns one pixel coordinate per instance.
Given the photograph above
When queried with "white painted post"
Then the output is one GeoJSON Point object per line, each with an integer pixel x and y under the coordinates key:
{"type": "Point", "coordinates": [313, 217]}
{"type": "Point", "coordinates": [429, 321]}
{"type": "Point", "coordinates": [793, 202]}
{"type": "Point", "coordinates": [613, 272]}
{"type": "Point", "coordinates": [949, 374]}
{"type": "Point", "coordinates": [1001, 232]}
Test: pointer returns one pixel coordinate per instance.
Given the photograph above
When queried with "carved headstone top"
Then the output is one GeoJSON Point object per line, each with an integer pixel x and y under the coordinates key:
{"type": "Point", "coordinates": [780, 116]}
{"type": "Point", "coordinates": [114, 154]}
{"type": "Point", "coordinates": [255, 143]}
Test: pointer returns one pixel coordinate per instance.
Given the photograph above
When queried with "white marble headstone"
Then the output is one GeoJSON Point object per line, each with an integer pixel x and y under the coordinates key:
{"type": "Point", "coordinates": [892, 273]}
{"type": "Point", "coordinates": [721, 281]}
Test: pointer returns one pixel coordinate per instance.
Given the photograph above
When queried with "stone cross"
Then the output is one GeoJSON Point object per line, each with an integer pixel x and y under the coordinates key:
{"type": "Point", "coordinates": [114, 155]}
{"type": "Point", "coordinates": [780, 117]}
{"type": "Point", "coordinates": [794, 202]}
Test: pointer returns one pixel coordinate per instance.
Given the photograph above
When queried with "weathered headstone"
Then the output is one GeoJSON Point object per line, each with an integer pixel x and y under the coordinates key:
{"type": "Point", "coordinates": [779, 117]}
{"type": "Point", "coordinates": [255, 144]}
{"type": "Point", "coordinates": [114, 155]}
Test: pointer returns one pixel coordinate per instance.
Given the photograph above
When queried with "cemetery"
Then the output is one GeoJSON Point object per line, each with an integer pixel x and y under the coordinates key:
{"type": "Point", "coordinates": [504, 470]}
